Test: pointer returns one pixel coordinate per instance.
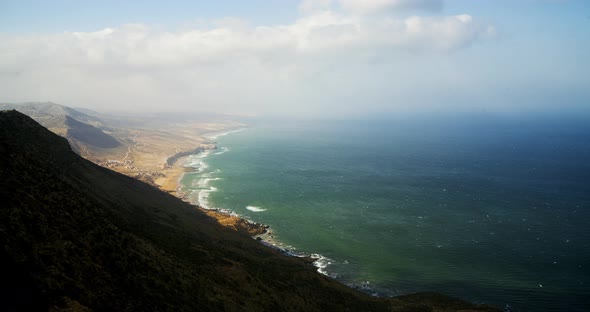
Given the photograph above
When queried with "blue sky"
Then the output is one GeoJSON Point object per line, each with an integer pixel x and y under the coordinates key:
{"type": "Point", "coordinates": [63, 15]}
{"type": "Point", "coordinates": [308, 58]}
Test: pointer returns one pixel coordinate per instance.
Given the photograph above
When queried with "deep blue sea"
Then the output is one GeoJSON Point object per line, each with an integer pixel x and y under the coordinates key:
{"type": "Point", "coordinates": [486, 208]}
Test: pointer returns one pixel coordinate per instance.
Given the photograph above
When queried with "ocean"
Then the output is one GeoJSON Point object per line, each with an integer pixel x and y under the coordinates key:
{"type": "Point", "coordinates": [486, 208]}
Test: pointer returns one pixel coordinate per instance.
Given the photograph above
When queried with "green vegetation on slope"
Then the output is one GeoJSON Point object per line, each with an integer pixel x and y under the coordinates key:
{"type": "Point", "coordinates": [75, 235]}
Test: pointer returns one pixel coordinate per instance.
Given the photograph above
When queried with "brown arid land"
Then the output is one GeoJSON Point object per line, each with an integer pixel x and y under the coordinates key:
{"type": "Point", "coordinates": [151, 147]}
{"type": "Point", "coordinates": [151, 154]}
{"type": "Point", "coordinates": [157, 156]}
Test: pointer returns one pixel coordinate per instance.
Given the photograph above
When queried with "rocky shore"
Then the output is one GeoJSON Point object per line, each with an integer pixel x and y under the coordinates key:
{"type": "Point", "coordinates": [258, 231]}
{"type": "Point", "coordinates": [172, 159]}
{"type": "Point", "coordinates": [237, 223]}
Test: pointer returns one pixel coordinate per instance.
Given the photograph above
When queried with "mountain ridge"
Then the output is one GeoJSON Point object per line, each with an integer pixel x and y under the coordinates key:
{"type": "Point", "coordinates": [82, 130]}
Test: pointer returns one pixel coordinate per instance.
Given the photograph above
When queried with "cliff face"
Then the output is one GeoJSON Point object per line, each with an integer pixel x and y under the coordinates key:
{"type": "Point", "coordinates": [74, 235]}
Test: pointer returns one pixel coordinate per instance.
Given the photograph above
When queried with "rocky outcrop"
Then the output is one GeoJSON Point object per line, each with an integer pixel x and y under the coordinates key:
{"type": "Point", "coordinates": [172, 159]}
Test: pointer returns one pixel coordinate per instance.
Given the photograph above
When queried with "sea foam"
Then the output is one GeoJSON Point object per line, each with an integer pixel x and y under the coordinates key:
{"type": "Point", "coordinates": [255, 209]}
{"type": "Point", "coordinates": [220, 134]}
{"type": "Point", "coordinates": [222, 150]}
{"type": "Point", "coordinates": [200, 194]}
{"type": "Point", "coordinates": [321, 263]}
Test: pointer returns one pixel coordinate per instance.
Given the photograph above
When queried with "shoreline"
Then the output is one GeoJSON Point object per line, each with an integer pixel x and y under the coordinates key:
{"type": "Point", "coordinates": [260, 232]}
{"type": "Point", "coordinates": [175, 171]}
{"type": "Point", "coordinates": [171, 183]}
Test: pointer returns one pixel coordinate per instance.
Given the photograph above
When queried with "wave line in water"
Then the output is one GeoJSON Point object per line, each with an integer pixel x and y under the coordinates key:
{"type": "Point", "coordinates": [200, 195]}
{"type": "Point", "coordinates": [255, 209]}
{"type": "Point", "coordinates": [322, 263]}
{"type": "Point", "coordinates": [222, 150]}
{"type": "Point", "coordinates": [220, 134]}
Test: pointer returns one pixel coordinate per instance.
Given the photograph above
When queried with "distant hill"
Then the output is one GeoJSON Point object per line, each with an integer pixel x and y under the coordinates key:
{"type": "Point", "coordinates": [82, 130]}
{"type": "Point", "coordinates": [76, 236]}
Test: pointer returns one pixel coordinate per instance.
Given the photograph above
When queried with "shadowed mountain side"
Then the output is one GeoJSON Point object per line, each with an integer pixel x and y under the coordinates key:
{"type": "Point", "coordinates": [89, 134]}
{"type": "Point", "coordinates": [45, 109]}
{"type": "Point", "coordinates": [76, 235]}
{"type": "Point", "coordinates": [74, 125]}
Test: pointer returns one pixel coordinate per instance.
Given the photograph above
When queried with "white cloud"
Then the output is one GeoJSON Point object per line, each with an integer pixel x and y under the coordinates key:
{"type": "Point", "coordinates": [137, 45]}
{"type": "Point", "coordinates": [365, 7]}
{"type": "Point", "coordinates": [380, 6]}
{"type": "Point", "coordinates": [231, 66]}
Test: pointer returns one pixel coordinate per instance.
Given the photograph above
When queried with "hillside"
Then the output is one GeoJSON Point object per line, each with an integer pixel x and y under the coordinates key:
{"type": "Point", "coordinates": [77, 236]}
{"type": "Point", "coordinates": [82, 130]}
{"type": "Point", "coordinates": [137, 145]}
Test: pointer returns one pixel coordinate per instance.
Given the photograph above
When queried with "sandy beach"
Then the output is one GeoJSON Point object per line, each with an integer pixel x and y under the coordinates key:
{"type": "Point", "coordinates": [158, 156]}
{"type": "Point", "coordinates": [170, 182]}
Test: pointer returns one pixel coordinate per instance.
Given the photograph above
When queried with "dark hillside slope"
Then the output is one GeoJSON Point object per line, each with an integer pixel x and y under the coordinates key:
{"type": "Point", "coordinates": [79, 128]}
{"type": "Point", "coordinates": [74, 235]}
{"type": "Point", "coordinates": [89, 134]}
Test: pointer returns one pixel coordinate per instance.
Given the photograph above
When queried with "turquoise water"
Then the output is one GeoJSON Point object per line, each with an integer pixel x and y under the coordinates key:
{"type": "Point", "coordinates": [490, 210]}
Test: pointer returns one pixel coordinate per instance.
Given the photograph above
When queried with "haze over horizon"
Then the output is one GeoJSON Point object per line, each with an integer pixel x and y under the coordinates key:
{"type": "Point", "coordinates": [300, 58]}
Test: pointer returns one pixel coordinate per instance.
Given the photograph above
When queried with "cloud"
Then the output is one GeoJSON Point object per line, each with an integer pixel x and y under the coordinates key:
{"type": "Point", "coordinates": [380, 6]}
{"type": "Point", "coordinates": [137, 45]}
{"type": "Point", "coordinates": [366, 7]}
{"type": "Point", "coordinates": [226, 65]}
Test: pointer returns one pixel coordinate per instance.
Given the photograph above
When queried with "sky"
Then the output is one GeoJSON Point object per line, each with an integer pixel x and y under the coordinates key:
{"type": "Point", "coordinates": [309, 58]}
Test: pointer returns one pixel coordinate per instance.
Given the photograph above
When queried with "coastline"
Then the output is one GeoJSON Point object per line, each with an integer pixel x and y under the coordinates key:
{"type": "Point", "coordinates": [170, 182]}
{"type": "Point", "coordinates": [176, 169]}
